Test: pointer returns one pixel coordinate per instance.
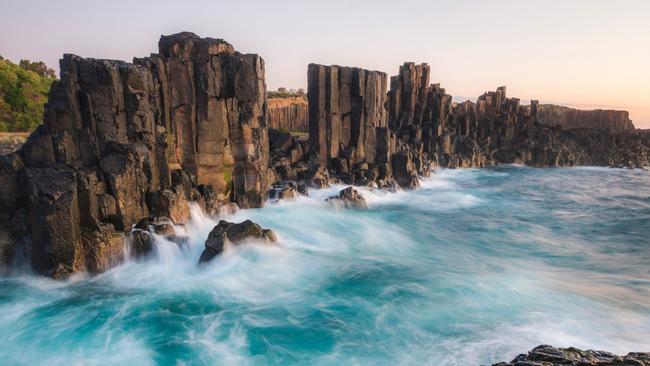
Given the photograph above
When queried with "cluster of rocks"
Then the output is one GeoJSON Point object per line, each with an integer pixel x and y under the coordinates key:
{"type": "Point", "coordinates": [546, 355]}
{"type": "Point", "coordinates": [288, 114]}
{"type": "Point", "coordinates": [616, 122]}
{"type": "Point", "coordinates": [125, 141]}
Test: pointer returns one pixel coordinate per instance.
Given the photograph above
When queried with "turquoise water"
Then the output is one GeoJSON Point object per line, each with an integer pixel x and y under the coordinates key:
{"type": "Point", "coordinates": [473, 268]}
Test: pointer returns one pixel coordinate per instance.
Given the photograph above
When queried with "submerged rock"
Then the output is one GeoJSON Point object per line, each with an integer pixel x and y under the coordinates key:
{"type": "Point", "coordinates": [350, 198]}
{"type": "Point", "coordinates": [231, 233]}
{"type": "Point", "coordinates": [546, 355]}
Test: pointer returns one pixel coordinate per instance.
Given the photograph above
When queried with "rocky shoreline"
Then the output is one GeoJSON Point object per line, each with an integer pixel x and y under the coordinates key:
{"type": "Point", "coordinates": [125, 147]}
{"type": "Point", "coordinates": [545, 355]}
{"type": "Point", "coordinates": [126, 142]}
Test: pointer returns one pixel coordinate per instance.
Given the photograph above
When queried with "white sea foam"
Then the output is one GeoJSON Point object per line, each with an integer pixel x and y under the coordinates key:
{"type": "Point", "coordinates": [472, 268]}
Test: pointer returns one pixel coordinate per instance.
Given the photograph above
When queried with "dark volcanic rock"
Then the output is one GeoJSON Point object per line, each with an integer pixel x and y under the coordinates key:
{"type": "Point", "coordinates": [346, 106]}
{"type": "Point", "coordinates": [349, 198]}
{"type": "Point", "coordinates": [143, 240]}
{"type": "Point", "coordinates": [124, 141]}
{"type": "Point", "coordinates": [228, 233]}
{"type": "Point", "coordinates": [545, 355]}
{"type": "Point", "coordinates": [287, 190]}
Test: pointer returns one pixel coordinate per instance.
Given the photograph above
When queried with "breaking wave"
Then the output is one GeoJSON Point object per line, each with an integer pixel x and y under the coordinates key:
{"type": "Point", "coordinates": [472, 268]}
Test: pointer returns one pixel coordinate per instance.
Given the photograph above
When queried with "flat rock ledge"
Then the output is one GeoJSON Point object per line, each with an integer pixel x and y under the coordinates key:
{"type": "Point", "coordinates": [546, 355]}
{"type": "Point", "coordinates": [229, 233]}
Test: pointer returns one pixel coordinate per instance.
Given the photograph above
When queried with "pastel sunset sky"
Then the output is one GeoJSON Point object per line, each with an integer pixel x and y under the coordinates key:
{"type": "Point", "coordinates": [581, 53]}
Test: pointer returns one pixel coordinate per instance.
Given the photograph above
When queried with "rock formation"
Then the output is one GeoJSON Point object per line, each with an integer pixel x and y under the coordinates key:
{"type": "Point", "coordinates": [142, 235]}
{"type": "Point", "coordinates": [348, 127]}
{"type": "Point", "coordinates": [495, 130]}
{"type": "Point", "coordinates": [348, 198]}
{"type": "Point", "coordinates": [228, 233]}
{"type": "Point", "coordinates": [288, 114]}
{"type": "Point", "coordinates": [545, 355]}
{"type": "Point", "coordinates": [124, 141]}
{"type": "Point", "coordinates": [615, 122]}
{"type": "Point", "coordinates": [346, 107]}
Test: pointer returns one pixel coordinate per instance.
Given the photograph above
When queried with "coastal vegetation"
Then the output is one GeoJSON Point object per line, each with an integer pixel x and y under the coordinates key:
{"type": "Point", "coordinates": [23, 93]}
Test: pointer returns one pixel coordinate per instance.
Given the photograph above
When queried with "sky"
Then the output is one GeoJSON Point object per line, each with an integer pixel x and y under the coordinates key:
{"type": "Point", "coordinates": [581, 53]}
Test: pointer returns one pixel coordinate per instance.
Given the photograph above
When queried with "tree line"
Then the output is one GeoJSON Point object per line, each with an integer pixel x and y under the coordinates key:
{"type": "Point", "coordinates": [23, 93]}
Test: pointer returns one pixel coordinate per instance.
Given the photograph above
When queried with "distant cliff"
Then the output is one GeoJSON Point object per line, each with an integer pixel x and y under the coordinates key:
{"type": "Point", "coordinates": [570, 118]}
{"type": "Point", "coordinates": [290, 114]}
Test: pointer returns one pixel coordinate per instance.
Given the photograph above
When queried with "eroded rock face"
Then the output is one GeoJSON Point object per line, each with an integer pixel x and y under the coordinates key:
{"type": "Point", "coordinates": [349, 198]}
{"type": "Point", "coordinates": [228, 233]}
{"type": "Point", "coordinates": [124, 141]}
{"type": "Point", "coordinates": [546, 355]}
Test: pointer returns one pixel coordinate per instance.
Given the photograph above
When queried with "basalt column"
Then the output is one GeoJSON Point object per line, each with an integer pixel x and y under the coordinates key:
{"type": "Point", "coordinates": [346, 110]}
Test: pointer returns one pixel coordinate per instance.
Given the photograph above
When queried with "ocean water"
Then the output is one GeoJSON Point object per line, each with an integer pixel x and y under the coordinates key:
{"type": "Point", "coordinates": [472, 268]}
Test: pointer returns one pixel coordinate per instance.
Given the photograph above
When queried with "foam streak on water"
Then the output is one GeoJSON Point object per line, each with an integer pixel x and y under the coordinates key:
{"type": "Point", "coordinates": [472, 268]}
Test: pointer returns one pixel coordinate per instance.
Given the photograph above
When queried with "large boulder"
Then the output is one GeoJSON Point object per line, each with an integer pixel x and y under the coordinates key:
{"type": "Point", "coordinates": [228, 233]}
{"type": "Point", "coordinates": [349, 198]}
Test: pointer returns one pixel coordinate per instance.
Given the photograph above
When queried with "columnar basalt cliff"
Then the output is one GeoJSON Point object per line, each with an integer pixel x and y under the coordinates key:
{"type": "Point", "coordinates": [496, 129]}
{"type": "Point", "coordinates": [346, 106]}
{"type": "Point", "coordinates": [616, 122]}
{"type": "Point", "coordinates": [348, 128]}
{"type": "Point", "coordinates": [133, 143]}
{"type": "Point", "coordinates": [289, 114]}
{"type": "Point", "coordinates": [124, 141]}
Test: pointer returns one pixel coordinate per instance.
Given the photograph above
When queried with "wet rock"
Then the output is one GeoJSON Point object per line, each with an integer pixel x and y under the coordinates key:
{"type": "Point", "coordinates": [349, 198]}
{"type": "Point", "coordinates": [287, 190]}
{"type": "Point", "coordinates": [143, 240]}
{"type": "Point", "coordinates": [170, 204]}
{"type": "Point", "coordinates": [228, 233]}
{"type": "Point", "coordinates": [546, 355]}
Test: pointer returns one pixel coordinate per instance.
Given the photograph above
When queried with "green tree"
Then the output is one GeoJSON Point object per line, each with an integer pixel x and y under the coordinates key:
{"type": "Point", "coordinates": [23, 94]}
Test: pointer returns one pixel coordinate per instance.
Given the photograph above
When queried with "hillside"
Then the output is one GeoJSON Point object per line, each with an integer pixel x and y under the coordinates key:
{"type": "Point", "coordinates": [23, 94]}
